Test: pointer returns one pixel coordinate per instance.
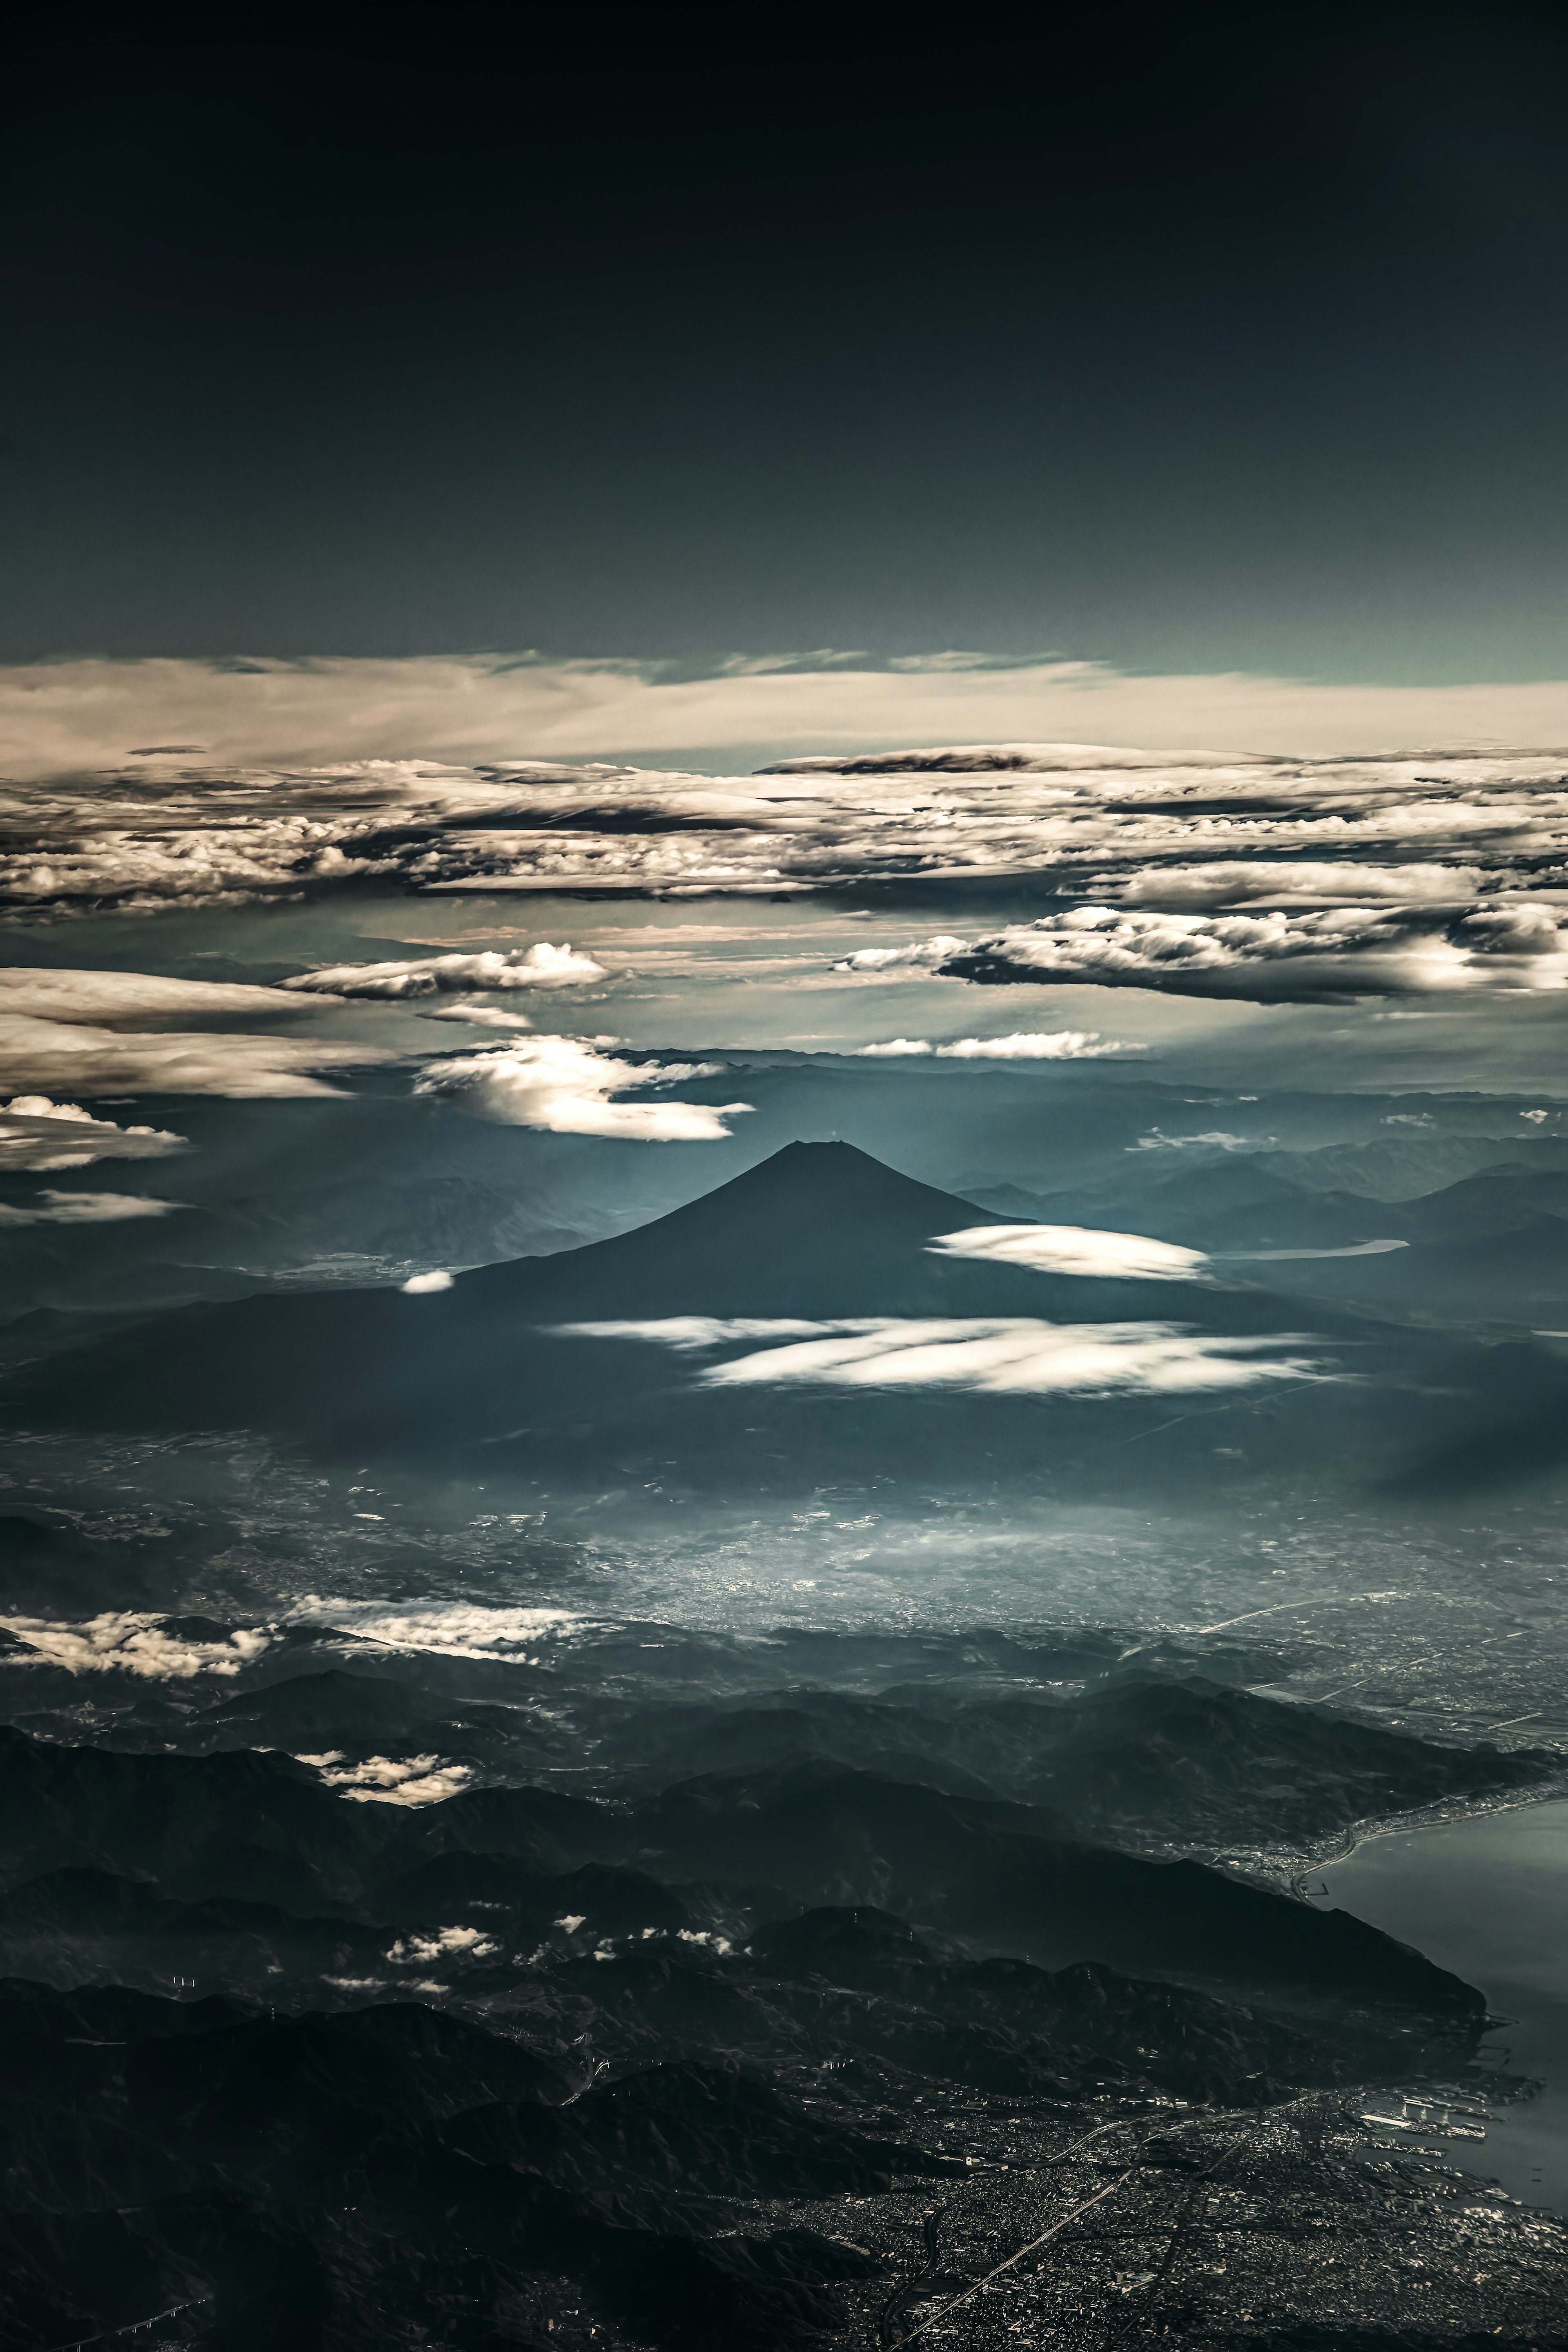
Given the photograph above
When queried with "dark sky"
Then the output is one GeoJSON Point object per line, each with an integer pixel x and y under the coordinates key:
{"type": "Point", "coordinates": [1222, 344]}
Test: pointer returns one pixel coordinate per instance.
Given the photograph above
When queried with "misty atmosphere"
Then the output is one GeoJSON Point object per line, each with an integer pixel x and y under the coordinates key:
{"type": "Point", "coordinates": [784, 1187]}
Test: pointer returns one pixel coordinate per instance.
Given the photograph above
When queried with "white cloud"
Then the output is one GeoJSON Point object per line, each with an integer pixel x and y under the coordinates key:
{"type": "Point", "coordinates": [1007, 1355]}
{"type": "Point", "coordinates": [124, 1641]}
{"type": "Point", "coordinates": [447, 1943]}
{"type": "Point", "coordinates": [539, 966]}
{"type": "Point", "coordinates": [1276, 956]}
{"type": "Point", "coordinates": [87, 1209]}
{"type": "Point", "coordinates": [475, 1015]}
{"type": "Point", "coordinates": [1283, 882]}
{"type": "Point", "coordinates": [1022, 1045]}
{"type": "Point", "coordinates": [1037, 1046]}
{"type": "Point", "coordinates": [928, 954]}
{"type": "Point", "coordinates": [390, 1779]}
{"type": "Point", "coordinates": [1076, 1249]}
{"type": "Point", "coordinates": [569, 1087]}
{"type": "Point", "coordinates": [420, 1286]}
{"type": "Point", "coordinates": [37, 1137]}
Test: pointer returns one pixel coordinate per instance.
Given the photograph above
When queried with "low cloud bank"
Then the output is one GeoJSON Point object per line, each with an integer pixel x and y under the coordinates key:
{"type": "Point", "coordinates": [572, 1088]}
{"type": "Point", "coordinates": [1008, 1355]}
{"type": "Point", "coordinates": [390, 1779]}
{"type": "Point", "coordinates": [133, 1643]}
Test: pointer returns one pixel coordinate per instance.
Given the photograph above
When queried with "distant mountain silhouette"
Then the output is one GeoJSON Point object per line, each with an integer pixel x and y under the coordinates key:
{"type": "Point", "coordinates": [819, 1232]}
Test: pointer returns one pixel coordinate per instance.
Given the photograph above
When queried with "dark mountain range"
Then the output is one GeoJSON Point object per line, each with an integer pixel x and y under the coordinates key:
{"type": "Point", "coordinates": [253, 1825]}
{"type": "Point", "coordinates": [1148, 1758]}
{"type": "Point", "coordinates": [525, 2065]}
{"type": "Point", "coordinates": [364, 1713]}
{"type": "Point", "coordinates": [251, 1830]}
{"type": "Point", "coordinates": [688, 2127]}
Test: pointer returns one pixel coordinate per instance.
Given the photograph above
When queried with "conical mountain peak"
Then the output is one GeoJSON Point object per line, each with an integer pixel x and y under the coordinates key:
{"type": "Point", "coordinates": [817, 1228]}
{"type": "Point", "coordinates": [831, 1179]}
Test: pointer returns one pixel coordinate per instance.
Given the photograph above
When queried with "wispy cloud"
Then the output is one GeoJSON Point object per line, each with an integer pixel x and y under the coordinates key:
{"type": "Point", "coordinates": [69, 1033]}
{"type": "Point", "coordinates": [86, 1209]}
{"type": "Point", "coordinates": [572, 1088]}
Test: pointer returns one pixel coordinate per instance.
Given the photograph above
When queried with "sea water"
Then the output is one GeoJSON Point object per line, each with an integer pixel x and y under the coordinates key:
{"type": "Point", "coordinates": [1488, 1897]}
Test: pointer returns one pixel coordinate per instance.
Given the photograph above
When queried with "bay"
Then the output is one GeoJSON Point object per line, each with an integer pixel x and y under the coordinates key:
{"type": "Point", "coordinates": [1488, 1897]}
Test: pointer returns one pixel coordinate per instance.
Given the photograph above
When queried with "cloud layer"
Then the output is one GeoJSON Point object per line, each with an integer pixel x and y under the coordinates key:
{"type": "Point", "coordinates": [473, 710]}
{"type": "Point", "coordinates": [1009, 1355]}
{"type": "Point", "coordinates": [572, 1088]}
{"type": "Point", "coordinates": [1299, 872]}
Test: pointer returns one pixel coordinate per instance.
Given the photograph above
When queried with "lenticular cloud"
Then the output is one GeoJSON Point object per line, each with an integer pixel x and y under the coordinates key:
{"type": "Point", "coordinates": [1077, 1249]}
{"type": "Point", "coordinates": [1007, 1355]}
